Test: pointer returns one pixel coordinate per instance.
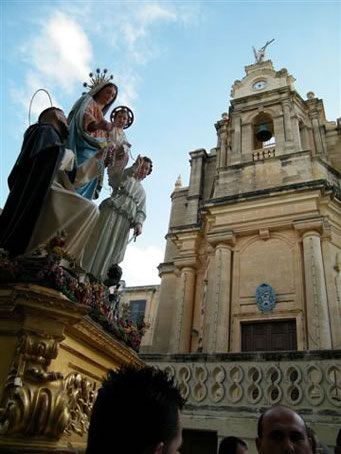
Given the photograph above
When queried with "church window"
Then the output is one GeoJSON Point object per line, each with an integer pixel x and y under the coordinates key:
{"type": "Point", "coordinates": [137, 310]}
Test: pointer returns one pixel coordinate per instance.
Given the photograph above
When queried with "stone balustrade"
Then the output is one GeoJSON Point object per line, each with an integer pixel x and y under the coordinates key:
{"type": "Point", "coordinates": [310, 380]}
{"type": "Point", "coordinates": [264, 153]}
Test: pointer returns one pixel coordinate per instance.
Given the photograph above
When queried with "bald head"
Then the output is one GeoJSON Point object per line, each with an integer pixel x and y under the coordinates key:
{"type": "Point", "coordinates": [282, 431]}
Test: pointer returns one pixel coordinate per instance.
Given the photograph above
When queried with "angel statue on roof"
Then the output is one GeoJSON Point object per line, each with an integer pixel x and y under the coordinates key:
{"type": "Point", "coordinates": [260, 54]}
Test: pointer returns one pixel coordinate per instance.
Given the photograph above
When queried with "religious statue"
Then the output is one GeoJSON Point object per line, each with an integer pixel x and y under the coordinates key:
{"type": "Point", "coordinates": [31, 178]}
{"type": "Point", "coordinates": [118, 146]}
{"type": "Point", "coordinates": [125, 209]}
{"type": "Point", "coordinates": [260, 54]}
{"type": "Point", "coordinates": [88, 128]}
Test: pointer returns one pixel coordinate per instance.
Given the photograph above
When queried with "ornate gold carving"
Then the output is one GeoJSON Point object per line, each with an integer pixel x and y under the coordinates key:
{"type": "Point", "coordinates": [81, 397]}
{"type": "Point", "coordinates": [34, 400]}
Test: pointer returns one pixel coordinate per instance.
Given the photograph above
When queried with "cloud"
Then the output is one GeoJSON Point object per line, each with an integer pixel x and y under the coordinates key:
{"type": "Point", "coordinates": [57, 57]}
{"type": "Point", "coordinates": [62, 52]}
{"type": "Point", "coordinates": [72, 42]}
{"type": "Point", "coordinates": [140, 265]}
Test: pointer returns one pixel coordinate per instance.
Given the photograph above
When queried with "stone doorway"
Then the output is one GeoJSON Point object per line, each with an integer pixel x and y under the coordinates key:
{"type": "Point", "coordinates": [269, 336]}
{"type": "Point", "coordinates": [199, 442]}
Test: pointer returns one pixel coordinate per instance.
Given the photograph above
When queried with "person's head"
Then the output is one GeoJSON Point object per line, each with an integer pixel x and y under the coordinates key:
{"type": "Point", "coordinates": [121, 118]}
{"type": "Point", "coordinates": [232, 445]}
{"type": "Point", "coordinates": [144, 169]}
{"type": "Point", "coordinates": [55, 117]}
{"type": "Point", "coordinates": [136, 412]}
{"type": "Point", "coordinates": [282, 431]}
{"type": "Point", "coordinates": [106, 95]}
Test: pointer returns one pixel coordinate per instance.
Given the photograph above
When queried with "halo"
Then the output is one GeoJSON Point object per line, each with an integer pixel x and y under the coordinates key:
{"type": "Point", "coordinates": [30, 107]}
{"type": "Point", "coordinates": [125, 109]}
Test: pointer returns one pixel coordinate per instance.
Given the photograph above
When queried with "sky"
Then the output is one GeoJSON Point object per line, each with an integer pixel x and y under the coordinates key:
{"type": "Point", "coordinates": [174, 63]}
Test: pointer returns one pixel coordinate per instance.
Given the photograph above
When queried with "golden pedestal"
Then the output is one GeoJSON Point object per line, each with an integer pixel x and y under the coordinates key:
{"type": "Point", "coordinates": [52, 360]}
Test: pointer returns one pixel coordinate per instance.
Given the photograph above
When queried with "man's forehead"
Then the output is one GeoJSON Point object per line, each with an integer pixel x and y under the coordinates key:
{"type": "Point", "coordinates": [282, 418]}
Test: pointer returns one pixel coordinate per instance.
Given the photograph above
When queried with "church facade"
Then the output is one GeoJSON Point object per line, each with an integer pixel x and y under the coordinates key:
{"type": "Point", "coordinates": [250, 296]}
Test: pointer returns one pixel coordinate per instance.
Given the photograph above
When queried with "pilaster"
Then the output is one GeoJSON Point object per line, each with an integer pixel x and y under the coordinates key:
{"type": "Point", "coordinates": [218, 314]}
{"type": "Point", "coordinates": [317, 312]}
{"type": "Point", "coordinates": [181, 339]}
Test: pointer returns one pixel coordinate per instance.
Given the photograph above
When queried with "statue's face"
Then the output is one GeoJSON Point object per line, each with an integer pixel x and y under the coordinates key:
{"type": "Point", "coordinates": [106, 95]}
{"type": "Point", "coordinates": [121, 119]}
{"type": "Point", "coordinates": [143, 170]}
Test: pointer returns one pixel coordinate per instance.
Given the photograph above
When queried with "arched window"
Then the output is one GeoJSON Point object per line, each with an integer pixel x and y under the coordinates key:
{"type": "Point", "coordinates": [263, 131]}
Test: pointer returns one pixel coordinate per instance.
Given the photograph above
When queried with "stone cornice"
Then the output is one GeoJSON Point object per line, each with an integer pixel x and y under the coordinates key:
{"type": "Point", "coordinates": [166, 267]}
{"type": "Point", "coordinates": [242, 356]}
{"type": "Point", "coordinates": [216, 237]}
{"type": "Point", "coordinates": [199, 153]}
{"type": "Point", "coordinates": [309, 224]}
{"type": "Point", "coordinates": [304, 186]}
{"type": "Point", "coordinates": [189, 261]}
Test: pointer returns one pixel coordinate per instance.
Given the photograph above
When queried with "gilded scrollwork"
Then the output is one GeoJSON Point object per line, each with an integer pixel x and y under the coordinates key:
{"type": "Point", "coordinates": [81, 394]}
{"type": "Point", "coordinates": [34, 400]}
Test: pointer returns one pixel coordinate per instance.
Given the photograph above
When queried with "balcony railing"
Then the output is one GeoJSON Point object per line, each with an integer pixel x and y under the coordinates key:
{"type": "Point", "coordinates": [264, 153]}
{"type": "Point", "coordinates": [297, 379]}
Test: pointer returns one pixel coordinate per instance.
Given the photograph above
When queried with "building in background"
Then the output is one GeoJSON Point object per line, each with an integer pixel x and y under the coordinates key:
{"type": "Point", "coordinates": [143, 303]}
{"type": "Point", "coordinates": [250, 295]}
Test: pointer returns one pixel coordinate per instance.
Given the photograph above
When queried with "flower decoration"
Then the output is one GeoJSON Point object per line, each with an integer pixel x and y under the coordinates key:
{"type": "Point", "coordinates": [53, 267]}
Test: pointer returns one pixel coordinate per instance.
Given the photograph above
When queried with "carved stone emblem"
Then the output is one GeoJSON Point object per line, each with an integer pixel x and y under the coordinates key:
{"type": "Point", "coordinates": [265, 297]}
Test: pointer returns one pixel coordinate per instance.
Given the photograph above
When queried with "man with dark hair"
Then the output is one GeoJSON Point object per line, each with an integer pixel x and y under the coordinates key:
{"type": "Point", "coordinates": [137, 411]}
{"type": "Point", "coordinates": [232, 445]}
{"type": "Point", "coordinates": [282, 431]}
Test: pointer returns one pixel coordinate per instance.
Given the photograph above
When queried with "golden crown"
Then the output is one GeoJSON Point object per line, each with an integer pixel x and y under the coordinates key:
{"type": "Point", "coordinates": [98, 78]}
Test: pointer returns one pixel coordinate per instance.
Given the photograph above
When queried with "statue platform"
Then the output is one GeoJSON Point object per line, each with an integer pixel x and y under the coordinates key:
{"type": "Point", "coordinates": [53, 358]}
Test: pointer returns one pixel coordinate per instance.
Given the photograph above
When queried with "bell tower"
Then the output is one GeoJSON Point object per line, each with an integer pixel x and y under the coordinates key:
{"type": "Point", "coordinates": [254, 240]}
{"type": "Point", "coordinates": [250, 295]}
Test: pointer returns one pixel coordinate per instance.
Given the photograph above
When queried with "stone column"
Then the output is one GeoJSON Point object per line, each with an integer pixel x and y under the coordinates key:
{"type": "Point", "coordinates": [332, 267]}
{"type": "Point", "coordinates": [217, 323]}
{"type": "Point", "coordinates": [221, 127]}
{"type": "Point", "coordinates": [287, 122]}
{"type": "Point", "coordinates": [219, 339]}
{"type": "Point", "coordinates": [184, 310]}
{"type": "Point", "coordinates": [318, 323]}
{"type": "Point", "coordinates": [317, 134]}
{"type": "Point", "coordinates": [296, 132]}
{"type": "Point", "coordinates": [247, 139]}
{"type": "Point", "coordinates": [195, 185]}
{"type": "Point", "coordinates": [236, 138]}
{"type": "Point", "coordinates": [279, 133]}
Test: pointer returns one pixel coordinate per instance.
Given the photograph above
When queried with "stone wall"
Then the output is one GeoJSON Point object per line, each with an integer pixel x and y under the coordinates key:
{"type": "Point", "coordinates": [227, 392]}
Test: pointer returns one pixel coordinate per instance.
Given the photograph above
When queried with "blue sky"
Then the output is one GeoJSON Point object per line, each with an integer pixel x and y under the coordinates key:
{"type": "Point", "coordinates": [174, 63]}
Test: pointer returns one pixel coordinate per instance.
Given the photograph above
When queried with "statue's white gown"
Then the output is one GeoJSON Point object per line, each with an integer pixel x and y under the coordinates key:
{"type": "Point", "coordinates": [65, 210]}
{"type": "Point", "coordinates": [118, 214]}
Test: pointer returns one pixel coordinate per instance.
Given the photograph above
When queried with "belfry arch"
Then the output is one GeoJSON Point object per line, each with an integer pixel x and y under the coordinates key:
{"type": "Point", "coordinates": [263, 132]}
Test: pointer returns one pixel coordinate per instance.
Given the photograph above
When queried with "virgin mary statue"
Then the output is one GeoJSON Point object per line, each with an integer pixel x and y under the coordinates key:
{"type": "Point", "coordinates": [88, 128]}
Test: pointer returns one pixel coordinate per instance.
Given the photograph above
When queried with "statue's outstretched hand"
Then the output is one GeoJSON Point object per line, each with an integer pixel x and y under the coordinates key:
{"type": "Point", "coordinates": [138, 229]}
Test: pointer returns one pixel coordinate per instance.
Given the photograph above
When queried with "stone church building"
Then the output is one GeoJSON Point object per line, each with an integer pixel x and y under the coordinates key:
{"type": "Point", "coordinates": [250, 296]}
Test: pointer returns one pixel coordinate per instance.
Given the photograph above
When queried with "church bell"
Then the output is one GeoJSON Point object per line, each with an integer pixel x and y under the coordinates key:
{"type": "Point", "coordinates": [263, 133]}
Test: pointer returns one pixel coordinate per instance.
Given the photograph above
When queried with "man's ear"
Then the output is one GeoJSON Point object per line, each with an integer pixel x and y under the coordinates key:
{"type": "Point", "coordinates": [159, 448]}
{"type": "Point", "coordinates": [259, 444]}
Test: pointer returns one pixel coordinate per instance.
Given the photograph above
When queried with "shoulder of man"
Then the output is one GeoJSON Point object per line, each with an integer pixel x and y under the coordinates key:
{"type": "Point", "coordinates": [41, 136]}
